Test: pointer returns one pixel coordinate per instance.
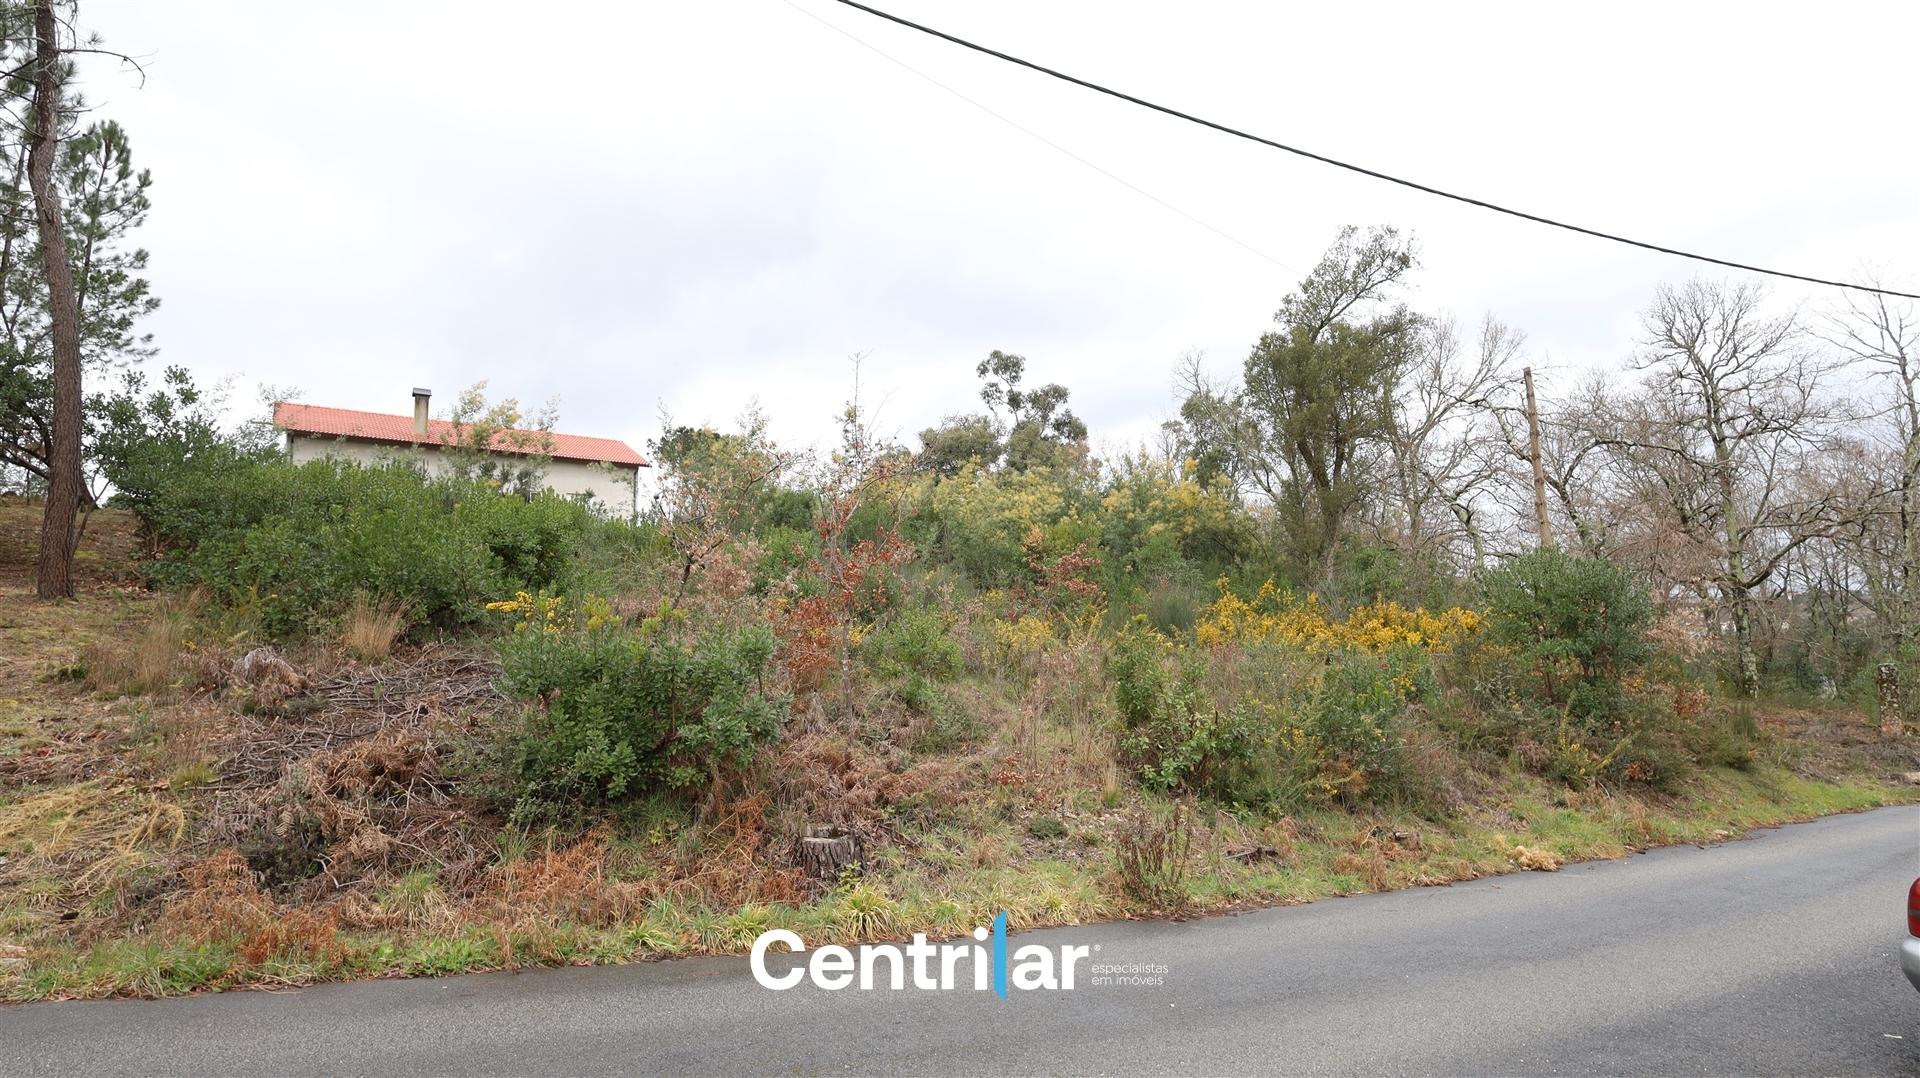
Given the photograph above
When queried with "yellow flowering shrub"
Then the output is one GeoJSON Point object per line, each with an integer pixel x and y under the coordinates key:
{"type": "Point", "coordinates": [552, 613]}
{"type": "Point", "coordinates": [1276, 615]}
{"type": "Point", "coordinates": [1024, 636]}
{"type": "Point", "coordinates": [1151, 500]}
{"type": "Point", "coordinates": [983, 520]}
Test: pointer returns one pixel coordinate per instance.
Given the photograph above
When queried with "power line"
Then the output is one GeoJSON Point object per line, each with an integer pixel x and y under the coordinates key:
{"type": "Point", "coordinates": [1362, 170]}
{"type": "Point", "coordinates": [1035, 135]}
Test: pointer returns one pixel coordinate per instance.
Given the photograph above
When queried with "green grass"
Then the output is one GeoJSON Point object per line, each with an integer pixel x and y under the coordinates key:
{"type": "Point", "coordinates": [959, 881]}
{"type": "Point", "coordinates": [130, 967]}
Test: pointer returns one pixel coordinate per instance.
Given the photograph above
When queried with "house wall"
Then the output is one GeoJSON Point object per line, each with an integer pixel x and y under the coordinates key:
{"type": "Point", "coordinates": [614, 486]}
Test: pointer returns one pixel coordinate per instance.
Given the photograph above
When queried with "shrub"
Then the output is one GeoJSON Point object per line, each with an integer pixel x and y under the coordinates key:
{"type": "Point", "coordinates": [624, 712]}
{"type": "Point", "coordinates": [1277, 615]}
{"type": "Point", "coordinates": [980, 521]}
{"type": "Point", "coordinates": [615, 557]}
{"type": "Point", "coordinates": [1025, 640]}
{"type": "Point", "coordinates": [784, 555]}
{"type": "Point", "coordinates": [950, 725]}
{"type": "Point", "coordinates": [1728, 737]}
{"type": "Point", "coordinates": [1046, 828]}
{"type": "Point", "coordinates": [1173, 735]}
{"type": "Point", "coordinates": [1148, 503]}
{"type": "Point", "coordinates": [297, 542]}
{"type": "Point", "coordinates": [1577, 625]}
{"type": "Point", "coordinates": [917, 640]}
{"type": "Point", "coordinates": [1174, 602]}
{"type": "Point", "coordinates": [1351, 730]}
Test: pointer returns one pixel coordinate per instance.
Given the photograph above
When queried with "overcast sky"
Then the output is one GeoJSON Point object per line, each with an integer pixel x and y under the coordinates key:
{"type": "Point", "coordinates": [697, 204]}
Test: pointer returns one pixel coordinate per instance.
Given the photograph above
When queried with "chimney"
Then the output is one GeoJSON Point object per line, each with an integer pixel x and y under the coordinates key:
{"type": "Point", "coordinates": [420, 399]}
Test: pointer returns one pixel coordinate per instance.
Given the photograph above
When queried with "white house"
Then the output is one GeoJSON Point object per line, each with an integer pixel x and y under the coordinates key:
{"type": "Point", "coordinates": [604, 471]}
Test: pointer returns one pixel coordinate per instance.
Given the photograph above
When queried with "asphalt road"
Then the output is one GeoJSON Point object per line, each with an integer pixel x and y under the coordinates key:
{"type": "Point", "coordinates": [1773, 955]}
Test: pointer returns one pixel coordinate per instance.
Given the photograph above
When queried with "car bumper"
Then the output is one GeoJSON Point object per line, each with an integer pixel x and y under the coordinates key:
{"type": "Point", "coordinates": [1910, 959]}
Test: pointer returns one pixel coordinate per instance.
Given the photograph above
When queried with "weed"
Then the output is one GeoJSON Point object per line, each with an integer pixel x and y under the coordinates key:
{"type": "Point", "coordinates": [1151, 857]}
{"type": "Point", "coordinates": [415, 898]}
{"type": "Point", "coordinates": [297, 935]}
{"type": "Point", "coordinates": [369, 627]}
{"type": "Point", "coordinates": [1046, 828]}
{"type": "Point", "coordinates": [444, 957]}
{"type": "Point", "coordinates": [862, 911]}
{"type": "Point", "coordinates": [1531, 858]}
{"type": "Point", "coordinates": [739, 929]}
{"type": "Point", "coordinates": [191, 774]}
{"type": "Point", "coordinates": [151, 661]}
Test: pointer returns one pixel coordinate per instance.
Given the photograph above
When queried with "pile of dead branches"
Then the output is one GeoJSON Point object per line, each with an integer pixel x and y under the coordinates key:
{"type": "Point", "coordinates": [339, 781]}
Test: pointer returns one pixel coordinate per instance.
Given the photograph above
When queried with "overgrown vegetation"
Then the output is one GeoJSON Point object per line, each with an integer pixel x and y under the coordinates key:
{"type": "Point", "coordinates": [291, 546]}
{"type": "Point", "coordinates": [360, 720]}
{"type": "Point", "coordinates": [628, 711]}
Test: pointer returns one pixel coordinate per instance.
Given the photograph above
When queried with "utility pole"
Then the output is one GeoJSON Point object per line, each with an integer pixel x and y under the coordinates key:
{"type": "Point", "coordinates": [1543, 528]}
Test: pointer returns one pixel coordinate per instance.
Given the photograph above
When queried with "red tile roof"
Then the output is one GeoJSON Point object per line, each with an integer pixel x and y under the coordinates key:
{"type": "Point", "coordinates": [398, 430]}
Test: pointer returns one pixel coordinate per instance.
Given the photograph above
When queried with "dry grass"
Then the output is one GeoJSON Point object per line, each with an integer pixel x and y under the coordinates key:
{"type": "Point", "coordinates": [1151, 858]}
{"type": "Point", "coordinates": [70, 843]}
{"type": "Point", "coordinates": [108, 550]}
{"type": "Point", "coordinates": [1530, 858]}
{"type": "Point", "coordinates": [370, 627]}
{"type": "Point", "coordinates": [155, 657]}
{"type": "Point", "coordinates": [350, 779]}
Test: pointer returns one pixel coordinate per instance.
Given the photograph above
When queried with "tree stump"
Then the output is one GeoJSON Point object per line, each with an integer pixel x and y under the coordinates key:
{"type": "Point", "coordinates": [1887, 682]}
{"type": "Point", "coordinates": [826, 852]}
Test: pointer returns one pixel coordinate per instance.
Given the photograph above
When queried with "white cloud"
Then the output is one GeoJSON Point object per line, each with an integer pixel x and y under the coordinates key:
{"type": "Point", "coordinates": [702, 203]}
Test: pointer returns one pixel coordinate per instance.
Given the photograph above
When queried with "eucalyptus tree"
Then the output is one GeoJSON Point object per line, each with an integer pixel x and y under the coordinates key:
{"type": "Point", "coordinates": [1041, 429]}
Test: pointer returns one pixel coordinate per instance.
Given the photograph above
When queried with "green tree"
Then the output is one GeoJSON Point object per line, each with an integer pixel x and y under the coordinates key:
{"type": "Point", "coordinates": [1041, 429]}
{"type": "Point", "coordinates": [103, 199]}
{"type": "Point", "coordinates": [957, 441]}
{"type": "Point", "coordinates": [498, 445]}
{"type": "Point", "coordinates": [1319, 389]}
{"type": "Point", "coordinates": [142, 434]}
{"type": "Point", "coordinates": [714, 487]}
{"type": "Point", "coordinates": [1039, 425]}
{"type": "Point", "coordinates": [1313, 415]}
{"type": "Point", "coordinates": [1023, 428]}
{"type": "Point", "coordinates": [1214, 430]}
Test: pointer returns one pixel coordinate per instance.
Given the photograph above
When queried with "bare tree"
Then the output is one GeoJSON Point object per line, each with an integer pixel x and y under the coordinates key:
{"type": "Point", "coordinates": [1722, 448]}
{"type": "Point", "coordinates": [1884, 334]}
{"type": "Point", "coordinates": [1573, 465]}
{"type": "Point", "coordinates": [1441, 460]}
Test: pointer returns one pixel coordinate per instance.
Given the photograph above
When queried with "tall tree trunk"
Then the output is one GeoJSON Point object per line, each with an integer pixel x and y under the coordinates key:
{"type": "Point", "coordinates": [1737, 589]}
{"type": "Point", "coordinates": [1906, 635]}
{"type": "Point", "coordinates": [1746, 660]}
{"type": "Point", "coordinates": [64, 481]}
